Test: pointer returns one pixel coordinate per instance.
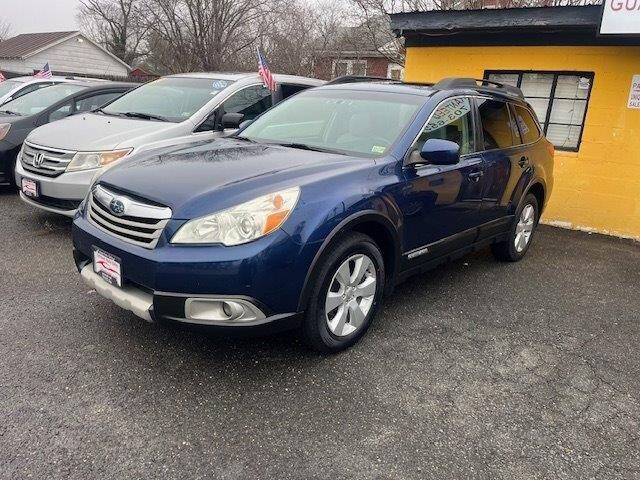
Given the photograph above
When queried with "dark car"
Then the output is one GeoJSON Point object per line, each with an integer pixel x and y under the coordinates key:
{"type": "Point", "coordinates": [318, 207]}
{"type": "Point", "coordinates": [20, 116]}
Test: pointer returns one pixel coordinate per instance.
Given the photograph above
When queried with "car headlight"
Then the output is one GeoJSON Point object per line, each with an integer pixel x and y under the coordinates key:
{"type": "Point", "coordinates": [243, 223]}
{"type": "Point", "coordinates": [4, 129]}
{"type": "Point", "coordinates": [88, 160]}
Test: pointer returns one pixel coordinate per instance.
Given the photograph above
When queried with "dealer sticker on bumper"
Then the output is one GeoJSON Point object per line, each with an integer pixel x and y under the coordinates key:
{"type": "Point", "coordinates": [107, 266]}
{"type": "Point", "coordinates": [29, 187]}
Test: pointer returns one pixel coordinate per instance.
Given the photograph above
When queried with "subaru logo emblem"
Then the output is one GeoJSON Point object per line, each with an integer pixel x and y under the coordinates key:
{"type": "Point", "coordinates": [117, 207]}
{"type": "Point", "coordinates": [38, 159]}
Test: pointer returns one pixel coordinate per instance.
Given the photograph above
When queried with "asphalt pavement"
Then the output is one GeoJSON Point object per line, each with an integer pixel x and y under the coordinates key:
{"type": "Point", "coordinates": [477, 370]}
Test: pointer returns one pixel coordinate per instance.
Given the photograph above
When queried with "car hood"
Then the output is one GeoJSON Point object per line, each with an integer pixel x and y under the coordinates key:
{"type": "Point", "coordinates": [208, 177]}
{"type": "Point", "coordinates": [92, 131]}
{"type": "Point", "coordinates": [11, 118]}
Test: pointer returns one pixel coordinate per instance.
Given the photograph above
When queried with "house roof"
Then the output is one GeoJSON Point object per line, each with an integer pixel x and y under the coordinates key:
{"type": "Point", "coordinates": [372, 38]}
{"type": "Point", "coordinates": [575, 25]}
{"type": "Point", "coordinates": [27, 44]}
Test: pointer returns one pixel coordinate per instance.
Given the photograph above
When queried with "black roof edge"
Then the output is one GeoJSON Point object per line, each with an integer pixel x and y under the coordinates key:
{"type": "Point", "coordinates": [523, 17]}
{"type": "Point", "coordinates": [360, 78]}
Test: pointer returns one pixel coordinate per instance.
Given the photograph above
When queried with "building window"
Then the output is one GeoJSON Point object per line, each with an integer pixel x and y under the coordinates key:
{"type": "Point", "coordinates": [560, 100]}
{"type": "Point", "coordinates": [395, 71]}
{"type": "Point", "coordinates": [349, 67]}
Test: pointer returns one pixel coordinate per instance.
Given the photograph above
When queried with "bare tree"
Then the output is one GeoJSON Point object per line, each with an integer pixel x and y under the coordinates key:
{"type": "Point", "coordinates": [117, 25]}
{"type": "Point", "coordinates": [204, 34]}
{"type": "Point", "coordinates": [300, 34]}
{"type": "Point", "coordinates": [5, 30]}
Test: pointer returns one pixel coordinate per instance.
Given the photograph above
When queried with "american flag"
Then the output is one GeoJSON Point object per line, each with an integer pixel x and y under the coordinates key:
{"type": "Point", "coordinates": [2, 77]}
{"type": "Point", "coordinates": [45, 72]}
{"type": "Point", "coordinates": [265, 72]}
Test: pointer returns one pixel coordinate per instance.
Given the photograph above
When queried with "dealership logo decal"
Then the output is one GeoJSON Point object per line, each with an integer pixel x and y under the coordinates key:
{"type": "Point", "coordinates": [117, 207]}
{"type": "Point", "coordinates": [38, 159]}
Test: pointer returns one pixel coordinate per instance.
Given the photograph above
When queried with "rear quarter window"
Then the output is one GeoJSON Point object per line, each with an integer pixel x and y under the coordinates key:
{"type": "Point", "coordinates": [527, 125]}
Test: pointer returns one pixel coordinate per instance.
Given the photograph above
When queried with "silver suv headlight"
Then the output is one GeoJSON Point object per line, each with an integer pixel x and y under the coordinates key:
{"type": "Point", "coordinates": [240, 224]}
{"type": "Point", "coordinates": [89, 160]}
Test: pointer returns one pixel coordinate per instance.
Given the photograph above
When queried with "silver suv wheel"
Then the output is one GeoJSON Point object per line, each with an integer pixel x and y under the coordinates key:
{"type": "Point", "coordinates": [524, 228]}
{"type": "Point", "coordinates": [350, 295]}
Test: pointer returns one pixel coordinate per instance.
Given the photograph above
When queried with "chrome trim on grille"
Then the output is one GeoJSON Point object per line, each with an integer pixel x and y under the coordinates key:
{"type": "Point", "coordinates": [46, 161]}
{"type": "Point", "coordinates": [140, 224]}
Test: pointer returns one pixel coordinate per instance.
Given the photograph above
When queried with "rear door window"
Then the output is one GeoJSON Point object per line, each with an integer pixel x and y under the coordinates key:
{"type": "Point", "coordinates": [527, 125]}
{"type": "Point", "coordinates": [250, 101]}
{"type": "Point", "coordinates": [497, 128]}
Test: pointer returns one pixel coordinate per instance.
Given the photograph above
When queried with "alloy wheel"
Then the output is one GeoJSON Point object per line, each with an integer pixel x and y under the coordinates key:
{"type": "Point", "coordinates": [524, 228]}
{"type": "Point", "coordinates": [351, 294]}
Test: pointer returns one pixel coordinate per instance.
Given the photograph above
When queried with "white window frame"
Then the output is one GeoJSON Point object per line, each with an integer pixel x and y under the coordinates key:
{"type": "Point", "coordinates": [394, 66]}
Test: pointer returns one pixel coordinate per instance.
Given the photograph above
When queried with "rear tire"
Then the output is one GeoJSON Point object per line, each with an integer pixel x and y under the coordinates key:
{"type": "Point", "coordinates": [521, 232]}
{"type": "Point", "coordinates": [346, 294]}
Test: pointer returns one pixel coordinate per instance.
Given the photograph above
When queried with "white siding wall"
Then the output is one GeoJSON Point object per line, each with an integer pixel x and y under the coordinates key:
{"type": "Point", "coordinates": [70, 56]}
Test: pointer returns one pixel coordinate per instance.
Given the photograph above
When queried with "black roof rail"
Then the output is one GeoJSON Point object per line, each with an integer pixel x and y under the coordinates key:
{"type": "Point", "coordinates": [360, 78]}
{"type": "Point", "coordinates": [447, 83]}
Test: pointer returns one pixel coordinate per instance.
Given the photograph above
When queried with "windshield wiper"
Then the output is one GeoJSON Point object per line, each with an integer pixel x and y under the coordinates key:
{"type": "Point", "coordinates": [145, 116]}
{"type": "Point", "coordinates": [244, 139]}
{"type": "Point", "coordinates": [9, 112]}
{"type": "Point", "coordinates": [304, 146]}
{"type": "Point", "coordinates": [99, 110]}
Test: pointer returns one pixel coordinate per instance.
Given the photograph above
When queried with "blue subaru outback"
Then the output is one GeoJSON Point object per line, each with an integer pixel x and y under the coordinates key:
{"type": "Point", "coordinates": [316, 209]}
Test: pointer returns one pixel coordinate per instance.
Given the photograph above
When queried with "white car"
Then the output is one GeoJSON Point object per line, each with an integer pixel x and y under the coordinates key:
{"type": "Point", "coordinates": [16, 87]}
{"type": "Point", "coordinates": [63, 158]}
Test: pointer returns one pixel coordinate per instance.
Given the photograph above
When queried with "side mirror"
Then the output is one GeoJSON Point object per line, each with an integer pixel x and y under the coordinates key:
{"type": "Point", "coordinates": [232, 120]}
{"type": "Point", "coordinates": [440, 152]}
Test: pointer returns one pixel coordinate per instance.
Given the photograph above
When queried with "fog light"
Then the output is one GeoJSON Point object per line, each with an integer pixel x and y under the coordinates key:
{"type": "Point", "coordinates": [220, 311]}
{"type": "Point", "coordinates": [233, 310]}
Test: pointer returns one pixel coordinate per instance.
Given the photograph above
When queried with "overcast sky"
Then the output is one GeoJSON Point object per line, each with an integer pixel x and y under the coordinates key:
{"type": "Point", "coordinates": [26, 16]}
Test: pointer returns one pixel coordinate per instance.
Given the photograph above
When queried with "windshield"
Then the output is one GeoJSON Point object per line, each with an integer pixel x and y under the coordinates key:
{"type": "Point", "coordinates": [171, 98]}
{"type": "Point", "coordinates": [36, 101]}
{"type": "Point", "coordinates": [347, 121]}
{"type": "Point", "coordinates": [7, 86]}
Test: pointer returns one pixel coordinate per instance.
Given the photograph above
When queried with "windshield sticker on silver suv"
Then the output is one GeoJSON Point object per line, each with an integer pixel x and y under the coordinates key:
{"type": "Point", "coordinates": [378, 149]}
{"type": "Point", "coordinates": [220, 84]}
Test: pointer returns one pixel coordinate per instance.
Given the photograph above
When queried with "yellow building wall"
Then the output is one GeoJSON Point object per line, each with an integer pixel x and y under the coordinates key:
{"type": "Point", "coordinates": [595, 189]}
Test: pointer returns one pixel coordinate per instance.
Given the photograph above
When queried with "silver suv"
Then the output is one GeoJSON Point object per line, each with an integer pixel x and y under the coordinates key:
{"type": "Point", "coordinates": [63, 158]}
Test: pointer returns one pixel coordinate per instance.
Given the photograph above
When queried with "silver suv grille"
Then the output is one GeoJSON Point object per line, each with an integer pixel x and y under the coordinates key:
{"type": "Point", "coordinates": [50, 162]}
{"type": "Point", "coordinates": [126, 218]}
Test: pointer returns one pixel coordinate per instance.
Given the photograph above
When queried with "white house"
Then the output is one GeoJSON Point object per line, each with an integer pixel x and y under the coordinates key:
{"type": "Point", "coordinates": [66, 52]}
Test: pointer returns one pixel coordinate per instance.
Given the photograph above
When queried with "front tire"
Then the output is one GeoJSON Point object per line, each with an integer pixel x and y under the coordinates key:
{"type": "Point", "coordinates": [346, 294]}
{"type": "Point", "coordinates": [521, 232]}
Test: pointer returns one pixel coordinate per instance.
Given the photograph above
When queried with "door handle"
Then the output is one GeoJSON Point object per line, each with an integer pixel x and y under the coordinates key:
{"type": "Point", "coordinates": [475, 176]}
{"type": "Point", "coordinates": [523, 162]}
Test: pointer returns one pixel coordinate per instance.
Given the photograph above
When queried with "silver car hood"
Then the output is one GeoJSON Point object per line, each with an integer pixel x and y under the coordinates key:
{"type": "Point", "coordinates": [91, 131]}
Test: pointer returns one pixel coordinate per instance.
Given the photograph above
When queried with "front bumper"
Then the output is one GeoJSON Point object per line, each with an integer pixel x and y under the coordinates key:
{"type": "Point", "coordinates": [128, 297]}
{"type": "Point", "coordinates": [162, 283]}
{"type": "Point", "coordinates": [62, 194]}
